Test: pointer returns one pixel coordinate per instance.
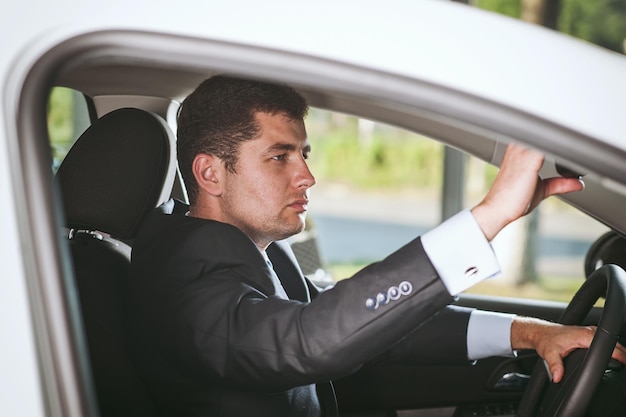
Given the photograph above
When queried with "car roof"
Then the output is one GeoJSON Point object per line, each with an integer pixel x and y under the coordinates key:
{"type": "Point", "coordinates": [473, 79]}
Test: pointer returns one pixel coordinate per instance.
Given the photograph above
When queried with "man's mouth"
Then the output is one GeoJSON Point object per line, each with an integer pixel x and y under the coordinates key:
{"type": "Point", "coordinates": [300, 205]}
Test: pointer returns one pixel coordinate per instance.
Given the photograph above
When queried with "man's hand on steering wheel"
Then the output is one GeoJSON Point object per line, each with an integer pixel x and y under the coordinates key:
{"type": "Point", "coordinates": [553, 342]}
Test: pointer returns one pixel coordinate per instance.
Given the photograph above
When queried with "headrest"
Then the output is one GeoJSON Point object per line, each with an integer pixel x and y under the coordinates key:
{"type": "Point", "coordinates": [119, 169]}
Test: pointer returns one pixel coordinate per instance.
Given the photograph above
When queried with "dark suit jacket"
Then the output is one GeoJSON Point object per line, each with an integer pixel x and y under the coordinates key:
{"type": "Point", "coordinates": [212, 335]}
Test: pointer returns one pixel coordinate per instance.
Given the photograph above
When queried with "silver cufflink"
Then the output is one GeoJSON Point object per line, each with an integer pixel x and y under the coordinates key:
{"type": "Point", "coordinates": [471, 271]}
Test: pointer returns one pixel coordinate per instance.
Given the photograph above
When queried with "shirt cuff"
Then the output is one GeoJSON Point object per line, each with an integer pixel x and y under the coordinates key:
{"type": "Point", "coordinates": [489, 334]}
{"type": "Point", "coordinates": [460, 253]}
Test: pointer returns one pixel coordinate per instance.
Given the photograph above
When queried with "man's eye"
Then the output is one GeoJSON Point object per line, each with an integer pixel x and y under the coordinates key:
{"type": "Point", "coordinates": [280, 157]}
{"type": "Point", "coordinates": [305, 155]}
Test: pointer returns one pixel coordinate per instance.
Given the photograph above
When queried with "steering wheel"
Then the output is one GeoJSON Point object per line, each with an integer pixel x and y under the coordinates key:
{"type": "Point", "coordinates": [583, 368]}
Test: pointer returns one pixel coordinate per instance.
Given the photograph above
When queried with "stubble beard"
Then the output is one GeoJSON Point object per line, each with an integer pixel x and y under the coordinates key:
{"type": "Point", "coordinates": [271, 230]}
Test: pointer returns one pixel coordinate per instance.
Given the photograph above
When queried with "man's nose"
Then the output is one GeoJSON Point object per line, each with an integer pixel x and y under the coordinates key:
{"type": "Point", "coordinates": [304, 176]}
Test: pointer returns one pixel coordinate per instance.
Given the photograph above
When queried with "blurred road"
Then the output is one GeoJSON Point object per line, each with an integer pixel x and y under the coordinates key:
{"type": "Point", "coordinates": [363, 227]}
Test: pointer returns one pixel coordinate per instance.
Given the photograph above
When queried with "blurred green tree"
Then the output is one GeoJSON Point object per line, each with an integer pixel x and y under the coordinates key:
{"type": "Point", "coordinates": [602, 22]}
{"type": "Point", "coordinates": [512, 8]}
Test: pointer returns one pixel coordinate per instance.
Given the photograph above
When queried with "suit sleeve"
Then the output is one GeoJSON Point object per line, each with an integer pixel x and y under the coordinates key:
{"type": "Point", "coordinates": [442, 340]}
{"type": "Point", "coordinates": [209, 303]}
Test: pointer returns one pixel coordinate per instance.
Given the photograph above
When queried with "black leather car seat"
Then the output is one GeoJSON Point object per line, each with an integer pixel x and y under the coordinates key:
{"type": "Point", "coordinates": [119, 169]}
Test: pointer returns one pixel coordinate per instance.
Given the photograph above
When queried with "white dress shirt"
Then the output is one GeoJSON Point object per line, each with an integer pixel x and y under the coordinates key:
{"type": "Point", "coordinates": [462, 257]}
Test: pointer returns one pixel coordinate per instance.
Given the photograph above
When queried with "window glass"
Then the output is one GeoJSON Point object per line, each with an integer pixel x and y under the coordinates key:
{"type": "Point", "coordinates": [67, 119]}
{"type": "Point", "coordinates": [378, 187]}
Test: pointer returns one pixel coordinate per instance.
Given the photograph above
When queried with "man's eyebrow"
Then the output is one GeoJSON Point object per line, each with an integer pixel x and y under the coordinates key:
{"type": "Point", "coordinates": [283, 146]}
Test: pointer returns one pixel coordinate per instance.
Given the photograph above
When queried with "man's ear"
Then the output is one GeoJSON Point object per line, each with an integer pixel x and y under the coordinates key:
{"type": "Point", "coordinates": [209, 173]}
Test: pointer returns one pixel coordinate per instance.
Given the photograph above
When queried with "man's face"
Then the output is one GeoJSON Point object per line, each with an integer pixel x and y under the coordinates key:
{"type": "Point", "coordinates": [267, 197]}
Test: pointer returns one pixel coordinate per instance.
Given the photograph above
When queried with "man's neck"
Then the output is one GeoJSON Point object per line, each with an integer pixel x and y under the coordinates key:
{"type": "Point", "coordinates": [202, 212]}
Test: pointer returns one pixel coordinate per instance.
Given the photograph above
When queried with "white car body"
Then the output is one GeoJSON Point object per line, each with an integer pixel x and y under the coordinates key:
{"type": "Point", "coordinates": [446, 70]}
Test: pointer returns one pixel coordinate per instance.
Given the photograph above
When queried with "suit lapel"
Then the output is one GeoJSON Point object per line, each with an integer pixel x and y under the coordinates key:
{"type": "Point", "coordinates": [288, 271]}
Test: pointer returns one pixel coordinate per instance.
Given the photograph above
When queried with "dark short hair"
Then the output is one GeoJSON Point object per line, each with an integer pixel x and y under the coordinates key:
{"type": "Point", "coordinates": [220, 114]}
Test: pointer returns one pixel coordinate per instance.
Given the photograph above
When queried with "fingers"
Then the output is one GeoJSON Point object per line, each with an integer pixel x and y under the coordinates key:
{"type": "Point", "coordinates": [574, 338]}
{"type": "Point", "coordinates": [553, 342]}
{"type": "Point", "coordinates": [553, 186]}
{"type": "Point", "coordinates": [619, 354]}
{"type": "Point", "coordinates": [559, 185]}
{"type": "Point", "coordinates": [522, 158]}
{"type": "Point", "coordinates": [555, 369]}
